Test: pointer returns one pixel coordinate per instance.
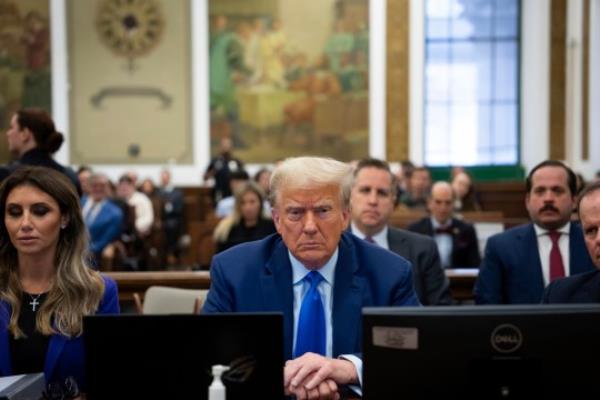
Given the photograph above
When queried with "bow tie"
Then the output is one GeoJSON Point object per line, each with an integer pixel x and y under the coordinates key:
{"type": "Point", "coordinates": [444, 229]}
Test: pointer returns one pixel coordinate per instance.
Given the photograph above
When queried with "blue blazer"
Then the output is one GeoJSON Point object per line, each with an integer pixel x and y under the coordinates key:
{"type": "Point", "coordinates": [257, 276]}
{"type": "Point", "coordinates": [106, 227]}
{"type": "Point", "coordinates": [65, 355]}
{"type": "Point", "coordinates": [511, 271]}
{"type": "Point", "coordinates": [581, 288]}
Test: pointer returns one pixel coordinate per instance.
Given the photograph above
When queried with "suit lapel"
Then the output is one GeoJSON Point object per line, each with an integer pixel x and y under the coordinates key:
{"type": "Point", "coordinates": [579, 257]}
{"type": "Point", "coordinates": [5, 364]}
{"type": "Point", "coordinates": [278, 292]}
{"type": "Point", "coordinates": [428, 227]}
{"type": "Point", "coordinates": [397, 243]}
{"type": "Point", "coordinates": [530, 259]}
{"type": "Point", "coordinates": [347, 301]}
{"type": "Point", "coordinates": [55, 348]}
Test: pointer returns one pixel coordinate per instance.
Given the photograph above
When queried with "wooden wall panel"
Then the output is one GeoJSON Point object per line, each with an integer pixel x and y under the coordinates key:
{"type": "Point", "coordinates": [397, 77]}
{"type": "Point", "coordinates": [585, 84]}
{"type": "Point", "coordinates": [558, 78]}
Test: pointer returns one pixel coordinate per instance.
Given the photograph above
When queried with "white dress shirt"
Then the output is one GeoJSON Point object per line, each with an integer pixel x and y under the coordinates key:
{"type": "Point", "coordinates": [325, 288]}
{"type": "Point", "coordinates": [144, 212]}
{"type": "Point", "coordinates": [380, 238]}
{"type": "Point", "coordinates": [444, 242]}
{"type": "Point", "coordinates": [545, 246]}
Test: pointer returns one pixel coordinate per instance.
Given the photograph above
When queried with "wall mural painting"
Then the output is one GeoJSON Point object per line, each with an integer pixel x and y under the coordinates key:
{"type": "Point", "coordinates": [24, 59]}
{"type": "Point", "coordinates": [290, 78]}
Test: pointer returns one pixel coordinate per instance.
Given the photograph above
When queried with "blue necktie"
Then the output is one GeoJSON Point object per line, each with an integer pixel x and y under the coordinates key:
{"type": "Point", "coordinates": [311, 321]}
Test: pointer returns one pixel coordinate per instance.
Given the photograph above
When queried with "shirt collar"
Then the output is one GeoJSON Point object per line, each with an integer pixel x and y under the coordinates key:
{"type": "Point", "coordinates": [435, 224]}
{"type": "Point", "coordinates": [299, 271]}
{"type": "Point", "coordinates": [539, 231]}
{"type": "Point", "coordinates": [380, 237]}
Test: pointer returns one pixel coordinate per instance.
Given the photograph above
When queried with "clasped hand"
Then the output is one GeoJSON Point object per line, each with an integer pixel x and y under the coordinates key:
{"type": "Point", "coordinates": [313, 376]}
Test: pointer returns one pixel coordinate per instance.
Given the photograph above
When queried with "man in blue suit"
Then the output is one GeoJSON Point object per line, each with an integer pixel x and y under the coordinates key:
{"type": "Point", "coordinates": [102, 217]}
{"type": "Point", "coordinates": [312, 265]}
{"type": "Point", "coordinates": [582, 288]}
{"type": "Point", "coordinates": [520, 262]}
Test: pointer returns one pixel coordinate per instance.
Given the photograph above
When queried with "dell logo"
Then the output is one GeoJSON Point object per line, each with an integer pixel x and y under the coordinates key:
{"type": "Point", "coordinates": [506, 338]}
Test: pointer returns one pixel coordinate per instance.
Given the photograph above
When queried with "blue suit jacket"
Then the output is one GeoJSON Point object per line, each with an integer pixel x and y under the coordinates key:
{"type": "Point", "coordinates": [511, 271]}
{"type": "Point", "coordinates": [106, 227]}
{"type": "Point", "coordinates": [65, 356]}
{"type": "Point", "coordinates": [257, 276]}
{"type": "Point", "coordinates": [581, 288]}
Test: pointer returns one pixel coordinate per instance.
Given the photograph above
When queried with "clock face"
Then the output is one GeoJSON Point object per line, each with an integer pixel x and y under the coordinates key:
{"type": "Point", "coordinates": [130, 28]}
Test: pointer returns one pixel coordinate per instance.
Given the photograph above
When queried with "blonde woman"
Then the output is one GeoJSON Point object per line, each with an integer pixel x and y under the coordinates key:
{"type": "Point", "coordinates": [46, 285]}
{"type": "Point", "coordinates": [247, 222]}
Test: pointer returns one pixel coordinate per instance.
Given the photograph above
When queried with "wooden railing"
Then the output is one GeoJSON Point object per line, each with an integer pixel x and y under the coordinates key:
{"type": "Point", "coordinates": [137, 282]}
{"type": "Point", "coordinates": [461, 282]}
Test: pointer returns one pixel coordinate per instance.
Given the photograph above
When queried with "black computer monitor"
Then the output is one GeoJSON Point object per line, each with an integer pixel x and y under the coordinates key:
{"type": "Point", "coordinates": [170, 356]}
{"type": "Point", "coordinates": [483, 352]}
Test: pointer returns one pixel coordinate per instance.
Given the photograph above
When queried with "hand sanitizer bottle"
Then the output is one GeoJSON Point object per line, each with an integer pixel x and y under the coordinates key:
{"type": "Point", "coordinates": [216, 391]}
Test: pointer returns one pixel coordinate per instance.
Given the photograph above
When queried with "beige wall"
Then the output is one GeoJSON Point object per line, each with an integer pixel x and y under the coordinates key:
{"type": "Point", "coordinates": [130, 112]}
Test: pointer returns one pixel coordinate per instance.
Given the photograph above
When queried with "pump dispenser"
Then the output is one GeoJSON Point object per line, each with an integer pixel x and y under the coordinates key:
{"type": "Point", "coordinates": [216, 391]}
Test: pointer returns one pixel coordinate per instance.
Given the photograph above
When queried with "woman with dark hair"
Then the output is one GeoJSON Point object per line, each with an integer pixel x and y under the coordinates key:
{"type": "Point", "coordinates": [32, 138]}
{"type": "Point", "coordinates": [46, 284]}
{"type": "Point", "coordinates": [465, 197]}
{"type": "Point", "coordinates": [247, 222]}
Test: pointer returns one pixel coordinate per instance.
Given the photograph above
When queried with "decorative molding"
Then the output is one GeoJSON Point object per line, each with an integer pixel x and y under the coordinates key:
{"type": "Point", "coordinates": [558, 78]}
{"type": "Point", "coordinates": [398, 80]}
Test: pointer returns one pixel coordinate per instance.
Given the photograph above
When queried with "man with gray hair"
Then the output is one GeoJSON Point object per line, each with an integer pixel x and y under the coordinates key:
{"type": "Point", "coordinates": [315, 273]}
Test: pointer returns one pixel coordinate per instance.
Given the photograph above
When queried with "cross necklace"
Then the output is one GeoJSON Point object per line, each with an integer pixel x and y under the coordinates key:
{"type": "Point", "coordinates": [34, 301]}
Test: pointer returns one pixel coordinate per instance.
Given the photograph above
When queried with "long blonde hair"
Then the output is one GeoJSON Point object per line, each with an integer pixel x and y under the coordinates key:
{"type": "Point", "coordinates": [76, 289]}
{"type": "Point", "coordinates": [224, 226]}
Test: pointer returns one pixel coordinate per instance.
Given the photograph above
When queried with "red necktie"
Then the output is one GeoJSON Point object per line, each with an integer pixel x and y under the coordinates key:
{"type": "Point", "coordinates": [370, 239]}
{"type": "Point", "coordinates": [557, 269]}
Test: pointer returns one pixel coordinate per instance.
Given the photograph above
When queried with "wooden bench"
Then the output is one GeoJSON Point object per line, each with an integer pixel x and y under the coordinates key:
{"type": "Point", "coordinates": [137, 282]}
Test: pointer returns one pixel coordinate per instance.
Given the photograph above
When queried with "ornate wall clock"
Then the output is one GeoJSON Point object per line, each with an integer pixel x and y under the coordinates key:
{"type": "Point", "coordinates": [130, 28]}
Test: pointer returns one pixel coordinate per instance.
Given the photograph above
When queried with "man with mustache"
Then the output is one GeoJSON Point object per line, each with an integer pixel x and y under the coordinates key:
{"type": "Point", "coordinates": [372, 202]}
{"type": "Point", "coordinates": [582, 288]}
{"type": "Point", "coordinates": [315, 273]}
{"type": "Point", "coordinates": [519, 263]}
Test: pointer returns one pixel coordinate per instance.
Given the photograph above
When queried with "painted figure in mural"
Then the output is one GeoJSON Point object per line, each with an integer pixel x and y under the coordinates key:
{"type": "Point", "coordinates": [319, 84]}
{"type": "Point", "coordinates": [339, 45]}
{"type": "Point", "coordinates": [36, 38]}
{"type": "Point", "coordinates": [272, 48]}
{"type": "Point", "coordinates": [226, 67]}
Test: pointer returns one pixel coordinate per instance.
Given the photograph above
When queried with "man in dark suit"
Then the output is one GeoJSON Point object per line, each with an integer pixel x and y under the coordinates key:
{"type": "Point", "coordinates": [520, 262]}
{"type": "Point", "coordinates": [371, 204]}
{"type": "Point", "coordinates": [312, 268]}
{"type": "Point", "coordinates": [582, 288]}
{"type": "Point", "coordinates": [456, 240]}
{"type": "Point", "coordinates": [102, 217]}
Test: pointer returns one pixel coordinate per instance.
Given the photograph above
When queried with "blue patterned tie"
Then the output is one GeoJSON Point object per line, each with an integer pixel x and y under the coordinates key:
{"type": "Point", "coordinates": [311, 321]}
